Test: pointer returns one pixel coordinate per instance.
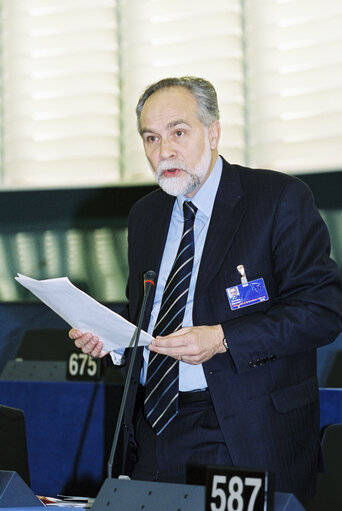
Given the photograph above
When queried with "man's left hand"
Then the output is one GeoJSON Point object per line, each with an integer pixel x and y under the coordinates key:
{"type": "Point", "coordinates": [193, 345]}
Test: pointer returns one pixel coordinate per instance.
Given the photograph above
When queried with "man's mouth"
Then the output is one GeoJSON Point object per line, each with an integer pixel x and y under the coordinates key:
{"type": "Point", "coordinates": [171, 172]}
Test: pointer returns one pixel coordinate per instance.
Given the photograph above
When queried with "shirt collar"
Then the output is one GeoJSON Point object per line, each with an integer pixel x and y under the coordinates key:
{"type": "Point", "coordinates": [205, 197]}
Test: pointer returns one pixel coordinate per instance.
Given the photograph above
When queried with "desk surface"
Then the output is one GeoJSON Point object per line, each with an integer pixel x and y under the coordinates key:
{"type": "Point", "coordinates": [281, 501]}
{"type": "Point", "coordinates": [38, 508]}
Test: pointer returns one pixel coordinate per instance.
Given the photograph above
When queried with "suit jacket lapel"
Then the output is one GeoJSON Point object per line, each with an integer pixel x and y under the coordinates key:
{"type": "Point", "coordinates": [156, 244]}
{"type": "Point", "coordinates": [229, 204]}
{"type": "Point", "coordinates": [228, 211]}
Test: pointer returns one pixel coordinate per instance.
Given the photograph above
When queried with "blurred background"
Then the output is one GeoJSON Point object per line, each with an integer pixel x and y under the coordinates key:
{"type": "Point", "coordinates": [71, 161]}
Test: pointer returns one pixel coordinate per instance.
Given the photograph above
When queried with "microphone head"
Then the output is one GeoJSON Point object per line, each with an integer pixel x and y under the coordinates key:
{"type": "Point", "coordinates": [150, 277]}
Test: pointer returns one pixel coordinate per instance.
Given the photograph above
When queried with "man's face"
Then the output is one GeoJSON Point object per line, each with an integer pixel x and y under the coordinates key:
{"type": "Point", "coordinates": [233, 292]}
{"type": "Point", "coordinates": [180, 149]}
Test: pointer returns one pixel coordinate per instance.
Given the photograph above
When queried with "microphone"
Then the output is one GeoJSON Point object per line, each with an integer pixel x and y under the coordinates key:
{"type": "Point", "coordinates": [149, 283]}
{"type": "Point", "coordinates": [149, 280]}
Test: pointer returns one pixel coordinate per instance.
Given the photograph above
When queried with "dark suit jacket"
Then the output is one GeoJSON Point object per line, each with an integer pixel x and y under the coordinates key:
{"type": "Point", "coordinates": [264, 389]}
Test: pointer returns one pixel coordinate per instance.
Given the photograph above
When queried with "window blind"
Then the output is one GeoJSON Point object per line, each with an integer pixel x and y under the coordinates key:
{"type": "Point", "coordinates": [294, 84]}
{"type": "Point", "coordinates": [72, 70]}
{"type": "Point", "coordinates": [60, 94]}
{"type": "Point", "coordinates": [160, 38]}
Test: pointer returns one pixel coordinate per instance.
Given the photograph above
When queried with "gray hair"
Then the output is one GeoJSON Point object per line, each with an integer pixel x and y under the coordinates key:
{"type": "Point", "coordinates": [202, 90]}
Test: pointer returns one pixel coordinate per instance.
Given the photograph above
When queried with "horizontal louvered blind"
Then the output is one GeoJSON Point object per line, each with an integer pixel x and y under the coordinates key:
{"type": "Point", "coordinates": [60, 92]}
{"type": "Point", "coordinates": [294, 83]}
{"type": "Point", "coordinates": [72, 70]}
{"type": "Point", "coordinates": [175, 38]}
{"type": "Point", "coordinates": [62, 84]}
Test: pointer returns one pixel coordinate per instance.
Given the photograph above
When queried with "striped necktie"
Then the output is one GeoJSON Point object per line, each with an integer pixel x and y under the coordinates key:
{"type": "Point", "coordinates": [161, 388]}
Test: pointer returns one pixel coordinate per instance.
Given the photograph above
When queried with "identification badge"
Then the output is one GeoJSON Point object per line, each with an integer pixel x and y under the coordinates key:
{"type": "Point", "coordinates": [245, 295]}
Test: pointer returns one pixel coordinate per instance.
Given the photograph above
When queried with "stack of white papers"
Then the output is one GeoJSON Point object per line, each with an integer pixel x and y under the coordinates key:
{"type": "Point", "coordinates": [84, 313]}
{"type": "Point", "coordinates": [66, 501]}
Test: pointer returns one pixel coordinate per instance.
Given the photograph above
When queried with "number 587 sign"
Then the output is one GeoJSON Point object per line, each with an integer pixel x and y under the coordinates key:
{"type": "Point", "coordinates": [237, 489]}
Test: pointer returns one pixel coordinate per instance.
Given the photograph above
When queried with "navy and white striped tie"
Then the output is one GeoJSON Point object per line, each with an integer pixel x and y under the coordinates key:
{"type": "Point", "coordinates": [161, 388]}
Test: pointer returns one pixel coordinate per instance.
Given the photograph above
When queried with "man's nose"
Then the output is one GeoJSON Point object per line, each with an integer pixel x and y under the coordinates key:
{"type": "Point", "coordinates": [167, 150]}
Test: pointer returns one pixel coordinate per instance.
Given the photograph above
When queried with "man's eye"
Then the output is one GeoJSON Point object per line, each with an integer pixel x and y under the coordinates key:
{"type": "Point", "coordinates": [150, 138]}
{"type": "Point", "coordinates": [179, 133]}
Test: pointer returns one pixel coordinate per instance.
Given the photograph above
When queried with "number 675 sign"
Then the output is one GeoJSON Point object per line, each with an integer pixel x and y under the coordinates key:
{"type": "Point", "coordinates": [82, 367]}
{"type": "Point", "coordinates": [237, 489]}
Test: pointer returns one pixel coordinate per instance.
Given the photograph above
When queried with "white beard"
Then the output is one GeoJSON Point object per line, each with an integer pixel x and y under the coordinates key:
{"type": "Point", "coordinates": [188, 181]}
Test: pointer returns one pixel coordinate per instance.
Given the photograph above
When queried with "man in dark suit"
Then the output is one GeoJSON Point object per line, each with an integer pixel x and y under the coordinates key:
{"type": "Point", "coordinates": [247, 387]}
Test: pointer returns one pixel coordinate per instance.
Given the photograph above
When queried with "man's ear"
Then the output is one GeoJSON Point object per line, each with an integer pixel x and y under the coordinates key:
{"type": "Point", "coordinates": [214, 134]}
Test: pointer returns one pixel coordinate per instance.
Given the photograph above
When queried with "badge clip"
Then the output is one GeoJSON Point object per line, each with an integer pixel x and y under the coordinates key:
{"type": "Point", "coordinates": [242, 272]}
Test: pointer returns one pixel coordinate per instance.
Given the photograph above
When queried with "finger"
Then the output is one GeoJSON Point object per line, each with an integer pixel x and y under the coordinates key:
{"type": "Point", "coordinates": [74, 333]}
{"type": "Point", "coordinates": [174, 352]}
{"type": "Point", "coordinates": [83, 339]}
{"type": "Point", "coordinates": [87, 342]}
{"type": "Point", "coordinates": [92, 345]}
{"type": "Point", "coordinates": [96, 352]}
{"type": "Point", "coordinates": [189, 352]}
{"type": "Point", "coordinates": [171, 341]}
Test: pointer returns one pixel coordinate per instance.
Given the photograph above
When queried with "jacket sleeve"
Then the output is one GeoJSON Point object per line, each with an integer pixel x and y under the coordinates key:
{"type": "Point", "coordinates": [307, 310]}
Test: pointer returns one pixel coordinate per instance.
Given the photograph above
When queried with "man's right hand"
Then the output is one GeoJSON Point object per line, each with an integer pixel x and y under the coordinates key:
{"type": "Point", "coordinates": [88, 343]}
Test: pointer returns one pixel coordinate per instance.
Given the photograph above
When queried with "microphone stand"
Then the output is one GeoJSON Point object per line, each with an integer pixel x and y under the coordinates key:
{"type": "Point", "coordinates": [149, 278]}
{"type": "Point", "coordinates": [131, 495]}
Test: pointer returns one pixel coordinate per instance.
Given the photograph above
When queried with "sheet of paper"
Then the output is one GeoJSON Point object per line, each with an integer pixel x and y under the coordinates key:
{"type": "Point", "coordinates": [81, 311]}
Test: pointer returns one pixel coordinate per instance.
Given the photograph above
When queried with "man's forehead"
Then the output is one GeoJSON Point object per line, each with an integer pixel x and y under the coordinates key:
{"type": "Point", "coordinates": [169, 107]}
{"type": "Point", "coordinates": [171, 98]}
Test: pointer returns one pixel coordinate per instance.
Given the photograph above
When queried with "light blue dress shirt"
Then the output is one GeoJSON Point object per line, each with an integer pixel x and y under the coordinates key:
{"type": "Point", "coordinates": [191, 377]}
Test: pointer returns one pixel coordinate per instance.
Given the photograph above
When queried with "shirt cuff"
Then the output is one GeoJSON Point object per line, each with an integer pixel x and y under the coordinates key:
{"type": "Point", "coordinates": [118, 357]}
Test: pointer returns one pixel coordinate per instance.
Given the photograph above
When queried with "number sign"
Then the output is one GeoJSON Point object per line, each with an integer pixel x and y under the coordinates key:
{"type": "Point", "coordinates": [81, 366]}
{"type": "Point", "coordinates": [237, 489]}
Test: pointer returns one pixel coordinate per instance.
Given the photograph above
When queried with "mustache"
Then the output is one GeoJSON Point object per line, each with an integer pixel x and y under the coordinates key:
{"type": "Point", "coordinates": [168, 165]}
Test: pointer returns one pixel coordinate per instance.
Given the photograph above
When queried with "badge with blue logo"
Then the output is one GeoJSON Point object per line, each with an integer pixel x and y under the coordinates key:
{"type": "Point", "coordinates": [247, 293]}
